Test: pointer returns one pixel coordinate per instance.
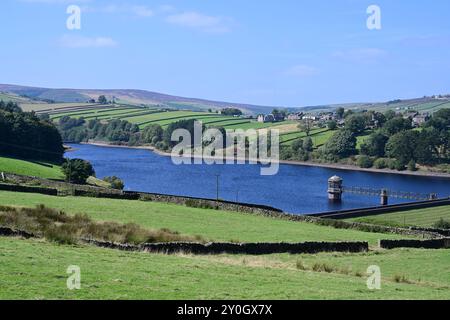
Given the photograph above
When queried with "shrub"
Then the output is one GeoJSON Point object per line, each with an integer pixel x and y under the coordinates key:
{"type": "Point", "coordinates": [442, 224]}
{"type": "Point", "coordinates": [77, 170]}
{"type": "Point", "coordinates": [300, 266]}
{"type": "Point", "coordinates": [198, 204]}
{"type": "Point", "coordinates": [380, 163]}
{"type": "Point", "coordinates": [412, 166]}
{"type": "Point", "coordinates": [115, 182]}
{"type": "Point", "coordinates": [364, 162]}
{"type": "Point", "coordinates": [396, 165]}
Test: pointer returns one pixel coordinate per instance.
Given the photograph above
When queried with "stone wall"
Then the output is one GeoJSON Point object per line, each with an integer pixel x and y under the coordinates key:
{"type": "Point", "coordinates": [8, 232]}
{"type": "Point", "coordinates": [423, 244]}
{"type": "Point", "coordinates": [28, 189]}
{"type": "Point", "coordinates": [241, 248]}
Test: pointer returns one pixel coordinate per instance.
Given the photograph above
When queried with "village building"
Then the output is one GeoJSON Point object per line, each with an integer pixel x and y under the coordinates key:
{"type": "Point", "coordinates": [266, 118]}
{"type": "Point", "coordinates": [420, 119]}
{"type": "Point", "coordinates": [295, 116]}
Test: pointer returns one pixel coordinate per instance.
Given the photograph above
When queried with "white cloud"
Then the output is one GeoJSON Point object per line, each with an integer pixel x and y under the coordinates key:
{"type": "Point", "coordinates": [56, 1]}
{"type": "Point", "coordinates": [71, 41]}
{"type": "Point", "coordinates": [302, 70]}
{"type": "Point", "coordinates": [142, 11]}
{"type": "Point", "coordinates": [136, 10]}
{"type": "Point", "coordinates": [361, 55]}
{"type": "Point", "coordinates": [199, 21]}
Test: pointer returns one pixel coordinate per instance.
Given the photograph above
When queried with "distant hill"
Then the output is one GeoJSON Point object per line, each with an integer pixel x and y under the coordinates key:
{"type": "Point", "coordinates": [31, 95]}
{"type": "Point", "coordinates": [126, 96]}
{"type": "Point", "coordinates": [424, 104]}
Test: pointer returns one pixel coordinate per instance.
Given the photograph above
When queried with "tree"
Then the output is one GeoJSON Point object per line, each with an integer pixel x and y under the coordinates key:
{"type": "Point", "coordinates": [152, 134]}
{"type": "Point", "coordinates": [341, 144]}
{"type": "Point", "coordinates": [308, 144]}
{"type": "Point", "coordinates": [340, 113]}
{"type": "Point", "coordinates": [77, 170]}
{"type": "Point", "coordinates": [396, 125]}
{"type": "Point", "coordinates": [374, 145]}
{"type": "Point", "coordinates": [390, 114]}
{"type": "Point", "coordinates": [306, 126]}
{"type": "Point", "coordinates": [332, 125]}
{"type": "Point", "coordinates": [402, 145]}
{"type": "Point", "coordinates": [231, 112]}
{"type": "Point", "coordinates": [356, 123]}
{"type": "Point", "coordinates": [102, 99]}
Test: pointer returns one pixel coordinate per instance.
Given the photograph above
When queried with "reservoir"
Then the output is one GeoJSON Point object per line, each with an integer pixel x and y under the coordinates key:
{"type": "Point", "coordinates": [295, 189]}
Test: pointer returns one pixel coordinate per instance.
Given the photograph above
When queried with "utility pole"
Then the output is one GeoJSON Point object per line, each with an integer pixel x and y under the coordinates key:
{"type": "Point", "coordinates": [217, 190]}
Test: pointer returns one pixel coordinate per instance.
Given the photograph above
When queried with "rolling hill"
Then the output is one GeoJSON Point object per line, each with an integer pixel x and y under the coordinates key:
{"type": "Point", "coordinates": [125, 96]}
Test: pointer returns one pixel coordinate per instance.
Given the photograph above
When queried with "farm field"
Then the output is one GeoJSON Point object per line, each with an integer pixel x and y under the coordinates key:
{"type": "Point", "coordinates": [34, 269]}
{"type": "Point", "coordinates": [35, 169]}
{"type": "Point", "coordinates": [318, 136]}
{"type": "Point", "coordinates": [44, 107]}
{"type": "Point", "coordinates": [211, 224]}
{"type": "Point", "coordinates": [422, 217]}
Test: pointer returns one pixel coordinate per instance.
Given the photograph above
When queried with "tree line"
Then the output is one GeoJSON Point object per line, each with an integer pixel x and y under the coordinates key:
{"type": "Point", "coordinates": [25, 135]}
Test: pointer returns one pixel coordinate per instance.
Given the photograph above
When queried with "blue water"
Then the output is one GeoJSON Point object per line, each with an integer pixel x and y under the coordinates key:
{"type": "Point", "coordinates": [295, 189]}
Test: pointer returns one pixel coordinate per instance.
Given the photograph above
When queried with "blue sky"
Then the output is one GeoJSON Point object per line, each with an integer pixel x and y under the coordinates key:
{"type": "Point", "coordinates": [284, 53]}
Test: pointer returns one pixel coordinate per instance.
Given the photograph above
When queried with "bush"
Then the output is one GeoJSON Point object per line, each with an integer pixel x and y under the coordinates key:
{"type": "Point", "coordinates": [442, 224]}
{"type": "Point", "coordinates": [364, 162]}
{"type": "Point", "coordinates": [412, 166]}
{"type": "Point", "coordinates": [380, 163]}
{"type": "Point", "coordinates": [115, 182]}
{"type": "Point", "coordinates": [396, 165]}
{"type": "Point", "coordinates": [77, 170]}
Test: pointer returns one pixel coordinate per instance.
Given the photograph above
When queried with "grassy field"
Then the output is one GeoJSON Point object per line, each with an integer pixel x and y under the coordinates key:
{"type": "Point", "coordinates": [318, 136]}
{"type": "Point", "coordinates": [35, 169]}
{"type": "Point", "coordinates": [33, 269]}
{"type": "Point", "coordinates": [211, 224]}
{"type": "Point", "coordinates": [36, 269]}
{"type": "Point", "coordinates": [422, 217]}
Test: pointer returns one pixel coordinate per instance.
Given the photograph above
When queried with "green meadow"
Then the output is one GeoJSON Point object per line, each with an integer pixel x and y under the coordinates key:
{"type": "Point", "coordinates": [27, 167]}
{"type": "Point", "coordinates": [421, 217]}
{"type": "Point", "coordinates": [36, 268]}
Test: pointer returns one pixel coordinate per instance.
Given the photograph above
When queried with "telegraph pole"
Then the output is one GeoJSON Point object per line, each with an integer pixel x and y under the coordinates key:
{"type": "Point", "coordinates": [217, 190]}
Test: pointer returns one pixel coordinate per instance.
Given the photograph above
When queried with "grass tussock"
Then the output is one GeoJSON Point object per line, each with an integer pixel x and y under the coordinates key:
{"type": "Point", "coordinates": [400, 278]}
{"type": "Point", "coordinates": [323, 267]}
{"type": "Point", "coordinates": [60, 227]}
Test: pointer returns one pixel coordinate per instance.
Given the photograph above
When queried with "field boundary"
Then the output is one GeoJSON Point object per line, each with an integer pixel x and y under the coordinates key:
{"type": "Point", "coordinates": [418, 244]}
{"type": "Point", "coordinates": [374, 211]}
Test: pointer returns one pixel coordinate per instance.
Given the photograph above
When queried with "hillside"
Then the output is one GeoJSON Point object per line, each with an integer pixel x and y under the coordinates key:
{"type": "Point", "coordinates": [128, 96]}
{"type": "Point", "coordinates": [424, 104]}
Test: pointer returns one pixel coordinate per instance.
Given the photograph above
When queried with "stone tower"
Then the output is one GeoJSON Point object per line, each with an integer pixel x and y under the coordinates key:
{"type": "Point", "coordinates": [335, 188]}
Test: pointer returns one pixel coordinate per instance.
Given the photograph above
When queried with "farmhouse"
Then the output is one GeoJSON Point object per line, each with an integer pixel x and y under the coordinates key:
{"type": "Point", "coordinates": [420, 119]}
{"type": "Point", "coordinates": [295, 116]}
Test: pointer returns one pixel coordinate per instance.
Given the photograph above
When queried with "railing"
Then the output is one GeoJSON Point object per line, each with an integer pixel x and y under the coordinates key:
{"type": "Point", "coordinates": [389, 193]}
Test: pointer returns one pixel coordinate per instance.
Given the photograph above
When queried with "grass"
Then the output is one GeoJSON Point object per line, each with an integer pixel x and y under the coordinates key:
{"type": "Point", "coordinates": [421, 217]}
{"type": "Point", "coordinates": [208, 223]}
{"type": "Point", "coordinates": [32, 269]}
{"type": "Point", "coordinates": [59, 227]}
{"type": "Point", "coordinates": [35, 169]}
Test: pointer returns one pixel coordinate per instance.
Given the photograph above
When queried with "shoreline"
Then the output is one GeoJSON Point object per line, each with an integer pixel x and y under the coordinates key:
{"type": "Point", "coordinates": [336, 166]}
